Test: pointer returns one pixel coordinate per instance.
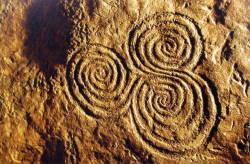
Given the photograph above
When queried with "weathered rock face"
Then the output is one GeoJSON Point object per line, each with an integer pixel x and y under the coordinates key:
{"type": "Point", "coordinates": [128, 81]}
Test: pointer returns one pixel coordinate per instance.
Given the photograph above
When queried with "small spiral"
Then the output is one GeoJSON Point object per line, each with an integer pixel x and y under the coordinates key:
{"type": "Point", "coordinates": [165, 41]}
{"type": "Point", "coordinates": [99, 81]}
{"type": "Point", "coordinates": [174, 113]}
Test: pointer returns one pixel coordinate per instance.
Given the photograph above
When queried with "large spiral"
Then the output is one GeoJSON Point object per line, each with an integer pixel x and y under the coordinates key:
{"type": "Point", "coordinates": [165, 41]}
{"type": "Point", "coordinates": [174, 113]}
{"type": "Point", "coordinates": [99, 81]}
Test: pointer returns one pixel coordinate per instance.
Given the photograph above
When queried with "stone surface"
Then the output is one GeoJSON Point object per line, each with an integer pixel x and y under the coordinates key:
{"type": "Point", "coordinates": [124, 81]}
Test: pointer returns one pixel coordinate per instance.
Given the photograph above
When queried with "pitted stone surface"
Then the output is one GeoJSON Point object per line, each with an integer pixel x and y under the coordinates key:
{"type": "Point", "coordinates": [124, 81]}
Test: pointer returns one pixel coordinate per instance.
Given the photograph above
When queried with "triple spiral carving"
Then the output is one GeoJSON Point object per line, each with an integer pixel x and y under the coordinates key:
{"type": "Point", "coordinates": [173, 110]}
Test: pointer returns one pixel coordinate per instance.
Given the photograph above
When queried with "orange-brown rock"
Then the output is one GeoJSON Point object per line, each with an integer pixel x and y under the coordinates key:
{"type": "Point", "coordinates": [124, 81]}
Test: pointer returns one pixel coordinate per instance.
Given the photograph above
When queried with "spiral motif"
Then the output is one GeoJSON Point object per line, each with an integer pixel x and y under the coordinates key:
{"type": "Point", "coordinates": [99, 81]}
{"type": "Point", "coordinates": [165, 41]}
{"type": "Point", "coordinates": [174, 113]}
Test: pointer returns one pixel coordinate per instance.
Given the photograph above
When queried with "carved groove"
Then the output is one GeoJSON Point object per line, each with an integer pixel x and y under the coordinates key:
{"type": "Point", "coordinates": [165, 41]}
{"type": "Point", "coordinates": [99, 81]}
{"type": "Point", "coordinates": [173, 114]}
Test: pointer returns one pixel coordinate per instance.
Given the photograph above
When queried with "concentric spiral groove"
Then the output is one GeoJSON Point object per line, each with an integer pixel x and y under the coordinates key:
{"type": "Point", "coordinates": [165, 41]}
{"type": "Point", "coordinates": [99, 81]}
{"type": "Point", "coordinates": [173, 113]}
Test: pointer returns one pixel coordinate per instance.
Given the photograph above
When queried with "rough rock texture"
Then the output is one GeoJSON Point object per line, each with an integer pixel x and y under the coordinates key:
{"type": "Point", "coordinates": [124, 81]}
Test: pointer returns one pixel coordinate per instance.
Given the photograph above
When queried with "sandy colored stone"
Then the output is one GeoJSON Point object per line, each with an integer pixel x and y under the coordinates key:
{"type": "Point", "coordinates": [124, 81]}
